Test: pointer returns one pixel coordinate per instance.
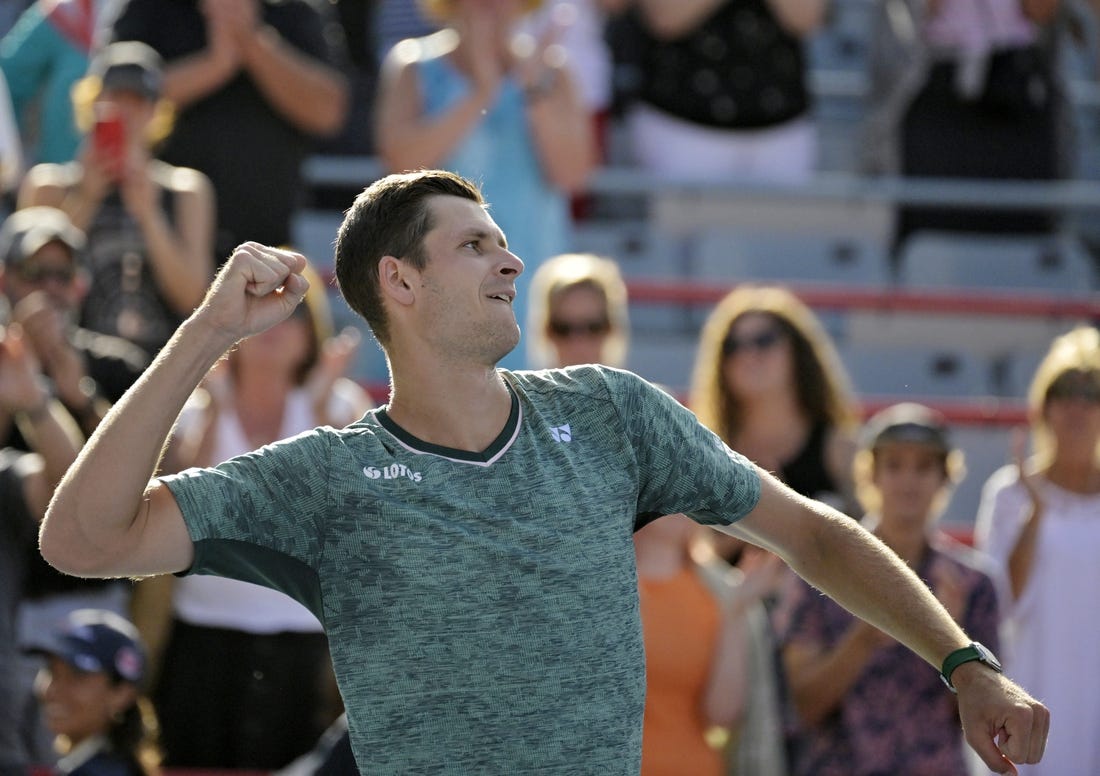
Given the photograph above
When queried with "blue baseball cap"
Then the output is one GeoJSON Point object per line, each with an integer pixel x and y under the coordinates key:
{"type": "Point", "coordinates": [97, 641]}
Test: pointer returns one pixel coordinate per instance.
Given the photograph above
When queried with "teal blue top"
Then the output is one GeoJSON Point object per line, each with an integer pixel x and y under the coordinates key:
{"type": "Point", "coordinates": [481, 608]}
{"type": "Point", "coordinates": [41, 65]}
{"type": "Point", "coordinates": [499, 154]}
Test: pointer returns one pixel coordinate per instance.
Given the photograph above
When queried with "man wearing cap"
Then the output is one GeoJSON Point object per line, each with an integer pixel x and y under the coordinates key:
{"type": "Point", "coordinates": [865, 703]}
{"type": "Point", "coordinates": [253, 83]}
{"type": "Point", "coordinates": [149, 224]}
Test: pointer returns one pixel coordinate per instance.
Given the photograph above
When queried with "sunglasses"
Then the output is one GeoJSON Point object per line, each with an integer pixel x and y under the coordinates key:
{"type": "Point", "coordinates": [765, 340]}
{"type": "Point", "coordinates": [35, 273]}
{"type": "Point", "coordinates": [569, 329]}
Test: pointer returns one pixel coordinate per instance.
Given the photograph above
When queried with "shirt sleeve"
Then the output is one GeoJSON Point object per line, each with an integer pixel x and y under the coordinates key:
{"type": "Point", "coordinates": [682, 466]}
{"type": "Point", "coordinates": [258, 517]}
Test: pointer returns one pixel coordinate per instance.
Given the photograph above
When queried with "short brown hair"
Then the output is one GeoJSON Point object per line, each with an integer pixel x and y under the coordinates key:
{"type": "Point", "coordinates": [389, 218]}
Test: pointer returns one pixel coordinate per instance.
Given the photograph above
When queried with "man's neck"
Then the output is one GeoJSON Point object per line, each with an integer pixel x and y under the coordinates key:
{"type": "Point", "coordinates": [461, 408]}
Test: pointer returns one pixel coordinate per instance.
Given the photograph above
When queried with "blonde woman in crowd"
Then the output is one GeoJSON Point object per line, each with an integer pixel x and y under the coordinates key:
{"type": "Point", "coordinates": [244, 681]}
{"type": "Point", "coordinates": [1040, 520]}
{"type": "Point", "coordinates": [578, 313]}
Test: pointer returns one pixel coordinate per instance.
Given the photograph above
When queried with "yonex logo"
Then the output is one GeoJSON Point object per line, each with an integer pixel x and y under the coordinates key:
{"type": "Point", "coordinates": [561, 433]}
{"type": "Point", "coordinates": [392, 472]}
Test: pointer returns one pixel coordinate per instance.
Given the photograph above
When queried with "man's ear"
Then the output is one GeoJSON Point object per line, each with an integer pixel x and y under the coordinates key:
{"type": "Point", "coordinates": [396, 280]}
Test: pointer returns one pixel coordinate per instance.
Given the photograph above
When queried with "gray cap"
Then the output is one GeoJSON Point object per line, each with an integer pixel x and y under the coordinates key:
{"type": "Point", "coordinates": [130, 66]}
{"type": "Point", "coordinates": [25, 232]}
{"type": "Point", "coordinates": [907, 422]}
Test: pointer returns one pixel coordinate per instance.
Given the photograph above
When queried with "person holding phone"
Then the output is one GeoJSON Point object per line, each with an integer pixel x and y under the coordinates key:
{"type": "Point", "coordinates": [150, 225]}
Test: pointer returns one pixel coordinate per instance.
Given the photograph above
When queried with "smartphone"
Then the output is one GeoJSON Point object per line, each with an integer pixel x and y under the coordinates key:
{"type": "Point", "coordinates": [109, 137]}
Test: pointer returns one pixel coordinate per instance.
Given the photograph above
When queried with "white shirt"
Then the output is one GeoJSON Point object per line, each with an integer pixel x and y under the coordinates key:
{"type": "Point", "coordinates": [1051, 642]}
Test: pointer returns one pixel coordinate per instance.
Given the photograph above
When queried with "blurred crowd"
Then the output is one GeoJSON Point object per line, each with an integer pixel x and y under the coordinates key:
{"type": "Point", "coordinates": [141, 140]}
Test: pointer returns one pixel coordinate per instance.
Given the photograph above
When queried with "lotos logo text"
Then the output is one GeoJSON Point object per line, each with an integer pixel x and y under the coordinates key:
{"type": "Point", "coordinates": [392, 472]}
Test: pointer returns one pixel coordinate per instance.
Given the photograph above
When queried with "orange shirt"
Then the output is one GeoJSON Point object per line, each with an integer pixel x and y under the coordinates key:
{"type": "Point", "coordinates": [680, 620]}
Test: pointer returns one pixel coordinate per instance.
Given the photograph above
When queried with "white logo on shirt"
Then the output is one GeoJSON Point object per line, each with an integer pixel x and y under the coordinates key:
{"type": "Point", "coordinates": [392, 472]}
{"type": "Point", "coordinates": [561, 433]}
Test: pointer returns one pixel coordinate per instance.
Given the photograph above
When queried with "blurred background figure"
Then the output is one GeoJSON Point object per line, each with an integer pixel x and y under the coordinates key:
{"type": "Point", "coordinates": [717, 89]}
{"type": "Point", "coordinates": [696, 646]}
{"type": "Point", "coordinates": [864, 704]}
{"type": "Point", "coordinates": [244, 681]}
{"type": "Point", "coordinates": [150, 225]}
{"type": "Point", "coordinates": [578, 313]}
{"type": "Point", "coordinates": [254, 83]}
{"type": "Point", "coordinates": [495, 107]}
{"type": "Point", "coordinates": [42, 56]}
{"type": "Point", "coordinates": [768, 380]}
{"type": "Point", "coordinates": [90, 689]}
{"type": "Point", "coordinates": [42, 286]}
{"type": "Point", "coordinates": [967, 89]}
{"type": "Point", "coordinates": [578, 26]}
{"type": "Point", "coordinates": [27, 481]}
{"type": "Point", "coordinates": [1040, 520]}
{"type": "Point", "coordinates": [11, 146]}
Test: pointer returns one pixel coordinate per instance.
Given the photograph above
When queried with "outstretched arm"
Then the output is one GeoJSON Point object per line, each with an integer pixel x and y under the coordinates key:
{"type": "Point", "coordinates": [835, 554]}
{"type": "Point", "coordinates": [107, 519]}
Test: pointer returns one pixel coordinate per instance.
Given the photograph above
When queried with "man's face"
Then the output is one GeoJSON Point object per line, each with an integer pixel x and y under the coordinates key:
{"type": "Point", "coordinates": [467, 287]}
{"type": "Point", "coordinates": [51, 270]}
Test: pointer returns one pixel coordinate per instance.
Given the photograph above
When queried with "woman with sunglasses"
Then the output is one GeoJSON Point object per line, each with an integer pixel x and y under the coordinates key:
{"type": "Point", "coordinates": [1039, 518]}
{"type": "Point", "coordinates": [578, 313]}
{"type": "Point", "coordinates": [768, 381]}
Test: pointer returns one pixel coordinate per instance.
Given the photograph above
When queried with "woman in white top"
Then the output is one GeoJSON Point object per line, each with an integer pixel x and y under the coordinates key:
{"type": "Point", "coordinates": [244, 678]}
{"type": "Point", "coordinates": [1040, 518]}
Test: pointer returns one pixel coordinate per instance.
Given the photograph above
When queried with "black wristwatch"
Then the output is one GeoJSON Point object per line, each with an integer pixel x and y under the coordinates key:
{"type": "Point", "coordinates": [973, 651]}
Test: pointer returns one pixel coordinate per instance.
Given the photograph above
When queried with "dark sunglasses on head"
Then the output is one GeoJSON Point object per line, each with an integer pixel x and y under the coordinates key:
{"type": "Point", "coordinates": [35, 273]}
{"type": "Point", "coordinates": [567, 329]}
{"type": "Point", "coordinates": [762, 341]}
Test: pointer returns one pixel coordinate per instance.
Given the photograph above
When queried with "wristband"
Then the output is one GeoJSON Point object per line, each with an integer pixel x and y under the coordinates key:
{"type": "Point", "coordinates": [972, 652]}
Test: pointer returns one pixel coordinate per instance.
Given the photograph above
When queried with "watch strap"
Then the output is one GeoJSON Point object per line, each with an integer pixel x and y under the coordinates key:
{"type": "Point", "coordinates": [971, 652]}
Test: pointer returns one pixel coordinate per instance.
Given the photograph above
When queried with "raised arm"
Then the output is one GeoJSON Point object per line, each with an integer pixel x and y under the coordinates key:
{"type": "Point", "coordinates": [836, 555]}
{"type": "Point", "coordinates": [107, 519]}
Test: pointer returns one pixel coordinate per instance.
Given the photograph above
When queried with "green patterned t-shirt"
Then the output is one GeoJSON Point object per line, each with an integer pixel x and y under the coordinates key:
{"type": "Point", "coordinates": [481, 608]}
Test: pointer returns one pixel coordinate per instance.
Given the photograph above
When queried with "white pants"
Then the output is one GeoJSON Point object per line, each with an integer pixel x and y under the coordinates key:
{"type": "Point", "coordinates": [677, 149]}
